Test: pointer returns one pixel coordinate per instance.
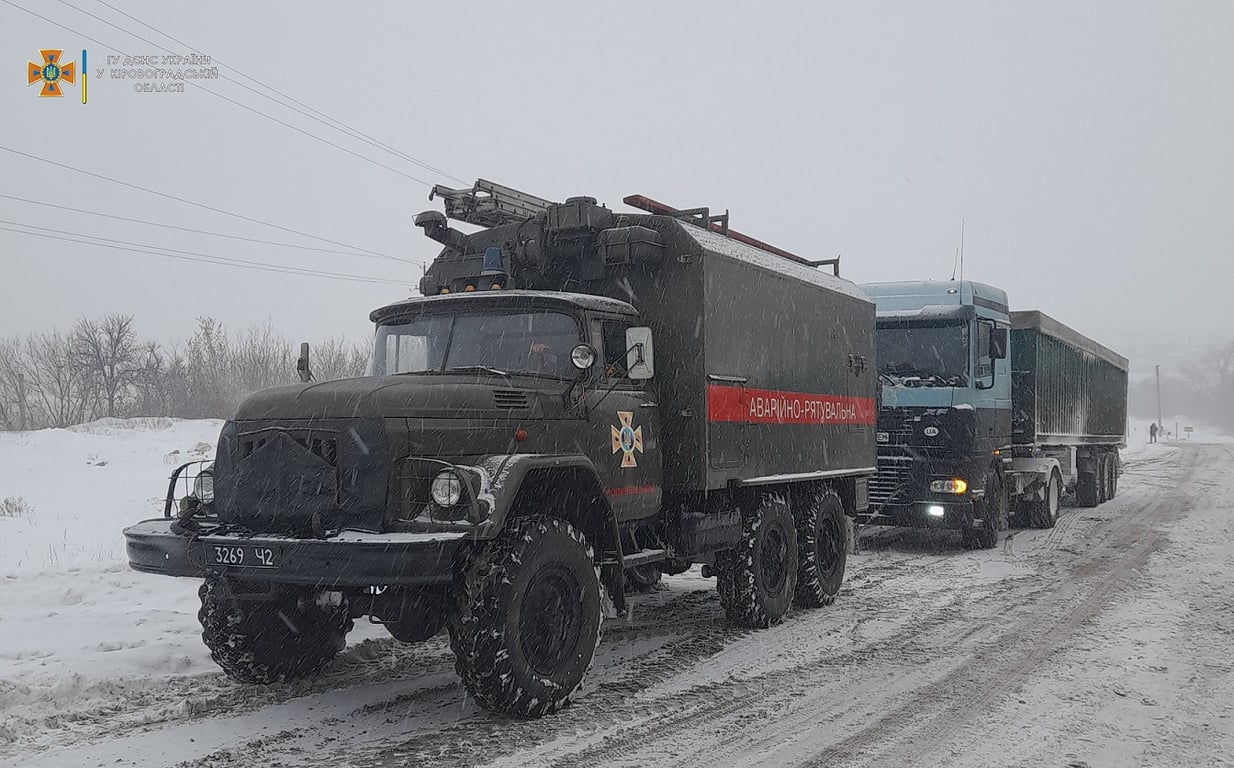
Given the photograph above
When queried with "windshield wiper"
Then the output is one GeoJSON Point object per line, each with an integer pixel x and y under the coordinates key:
{"type": "Point", "coordinates": [475, 368]}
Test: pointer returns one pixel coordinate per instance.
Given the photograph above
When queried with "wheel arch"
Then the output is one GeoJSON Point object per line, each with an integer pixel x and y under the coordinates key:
{"type": "Point", "coordinates": [567, 488]}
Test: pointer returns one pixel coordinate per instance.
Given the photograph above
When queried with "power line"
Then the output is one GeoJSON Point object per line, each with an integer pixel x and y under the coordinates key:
{"type": "Point", "coordinates": [171, 253]}
{"type": "Point", "coordinates": [181, 229]}
{"type": "Point", "coordinates": [198, 84]}
{"type": "Point", "coordinates": [360, 251]}
{"type": "Point", "coordinates": [338, 124]}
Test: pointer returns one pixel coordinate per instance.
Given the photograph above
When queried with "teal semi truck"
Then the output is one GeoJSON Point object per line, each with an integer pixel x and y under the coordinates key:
{"type": "Point", "coordinates": [986, 416]}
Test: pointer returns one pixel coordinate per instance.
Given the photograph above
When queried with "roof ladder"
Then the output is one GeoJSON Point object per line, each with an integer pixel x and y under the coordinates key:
{"type": "Point", "coordinates": [701, 217]}
{"type": "Point", "coordinates": [488, 204]}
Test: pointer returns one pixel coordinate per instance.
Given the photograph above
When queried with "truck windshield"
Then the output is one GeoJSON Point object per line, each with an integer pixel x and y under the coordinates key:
{"type": "Point", "coordinates": [535, 343]}
{"type": "Point", "coordinates": [930, 355]}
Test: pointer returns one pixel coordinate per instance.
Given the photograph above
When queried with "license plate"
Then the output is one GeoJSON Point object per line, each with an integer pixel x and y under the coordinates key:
{"type": "Point", "coordinates": [246, 556]}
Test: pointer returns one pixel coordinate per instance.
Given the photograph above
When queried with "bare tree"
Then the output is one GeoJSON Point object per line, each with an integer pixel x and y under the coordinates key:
{"type": "Point", "coordinates": [260, 359]}
{"type": "Point", "coordinates": [60, 391]}
{"type": "Point", "coordinates": [339, 359]}
{"type": "Point", "coordinates": [108, 352]}
{"type": "Point", "coordinates": [205, 370]}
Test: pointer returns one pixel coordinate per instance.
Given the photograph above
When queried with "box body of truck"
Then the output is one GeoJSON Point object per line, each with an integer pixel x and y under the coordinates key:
{"type": "Point", "coordinates": [1066, 388]}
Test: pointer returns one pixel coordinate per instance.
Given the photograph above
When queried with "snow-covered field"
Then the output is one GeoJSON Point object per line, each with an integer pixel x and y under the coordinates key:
{"type": "Point", "coordinates": [1102, 642]}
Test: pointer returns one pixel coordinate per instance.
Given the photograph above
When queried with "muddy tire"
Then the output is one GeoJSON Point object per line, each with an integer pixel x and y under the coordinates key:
{"type": "Point", "coordinates": [993, 515]}
{"type": "Point", "coordinates": [822, 549]}
{"type": "Point", "coordinates": [642, 579]}
{"type": "Point", "coordinates": [293, 634]}
{"type": "Point", "coordinates": [1043, 513]}
{"type": "Point", "coordinates": [526, 617]}
{"type": "Point", "coordinates": [757, 579]}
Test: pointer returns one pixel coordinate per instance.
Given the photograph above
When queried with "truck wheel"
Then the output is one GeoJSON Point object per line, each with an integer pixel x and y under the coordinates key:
{"type": "Point", "coordinates": [1103, 479]}
{"type": "Point", "coordinates": [288, 635]}
{"type": "Point", "coordinates": [642, 578]}
{"type": "Point", "coordinates": [1112, 483]}
{"type": "Point", "coordinates": [757, 578]}
{"type": "Point", "coordinates": [526, 618]}
{"type": "Point", "coordinates": [993, 515]}
{"type": "Point", "coordinates": [821, 550]}
{"type": "Point", "coordinates": [1086, 489]}
{"type": "Point", "coordinates": [1043, 513]}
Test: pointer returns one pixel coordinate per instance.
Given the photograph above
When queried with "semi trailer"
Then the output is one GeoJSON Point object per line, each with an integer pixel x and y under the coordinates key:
{"type": "Point", "coordinates": [579, 398]}
{"type": "Point", "coordinates": [988, 416]}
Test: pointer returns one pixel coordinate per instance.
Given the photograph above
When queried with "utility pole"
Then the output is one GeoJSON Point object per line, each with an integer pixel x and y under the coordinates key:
{"type": "Point", "coordinates": [21, 402]}
{"type": "Point", "coordinates": [1159, 421]}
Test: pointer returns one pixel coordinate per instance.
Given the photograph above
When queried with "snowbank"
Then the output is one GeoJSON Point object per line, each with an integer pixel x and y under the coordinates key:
{"type": "Point", "coordinates": [82, 485]}
{"type": "Point", "coordinates": [74, 620]}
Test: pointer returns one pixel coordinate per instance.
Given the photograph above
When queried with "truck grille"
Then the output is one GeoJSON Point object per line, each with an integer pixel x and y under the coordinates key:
{"type": "Point", "coordinates": [509, 398]}
{"type": "Point", "coordinates": [321, 445]}
{"type": "Point", "coordinates": [894, 473]}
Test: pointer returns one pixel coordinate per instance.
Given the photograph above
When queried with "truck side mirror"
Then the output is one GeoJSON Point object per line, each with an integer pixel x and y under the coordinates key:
{"type": "Point", "coordinates": [302, 365]}
{"type": "Point", "coordinates": [998, 343]}
{"type": "Point", "coordinates": [640, 357]}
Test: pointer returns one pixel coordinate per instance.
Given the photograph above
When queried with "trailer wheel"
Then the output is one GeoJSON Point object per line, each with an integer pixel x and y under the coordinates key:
{"type": "Point", "coordinates": [822, 549]}
{"type": "Point", "coordinates": [1043, 513]}
{"type": "Point", "coordinates": [526, 618]}
{"type": "Point", "coordinates": [757, 578]}
{"type": "Point", "coordinates": [993, 515]}
{"type": "Point", "coordinates": [285, 636]}
{"type": "Point", "coordinates": [1112, 485]}
{"type": "Point", "coordinates": [1103, 479]}
{"type": "Point", "coordinates": [1086, 489]}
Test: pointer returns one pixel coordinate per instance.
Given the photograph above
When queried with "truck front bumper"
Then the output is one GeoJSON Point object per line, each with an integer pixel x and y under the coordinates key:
{"type": "Point", "coordinates": [943, 512]}
{"type": "Point", "coordinates": [350, 559]}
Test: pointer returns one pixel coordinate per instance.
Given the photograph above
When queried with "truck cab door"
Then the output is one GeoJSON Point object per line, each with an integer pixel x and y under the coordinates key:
{"type": "Point", "coordinates": [624, 427]}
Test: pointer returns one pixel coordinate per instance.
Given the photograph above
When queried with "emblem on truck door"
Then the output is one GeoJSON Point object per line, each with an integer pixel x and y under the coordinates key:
{"type": "Point", "coordinates": [627, 438]}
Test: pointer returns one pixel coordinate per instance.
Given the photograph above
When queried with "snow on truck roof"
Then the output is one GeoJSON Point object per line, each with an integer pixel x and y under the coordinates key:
{"type": "Point", "coordinates": [734, 249]}
{"type": "Point", "coordinates": [912, 294]}
{"type": "Point", "coordinates": [507, 297]}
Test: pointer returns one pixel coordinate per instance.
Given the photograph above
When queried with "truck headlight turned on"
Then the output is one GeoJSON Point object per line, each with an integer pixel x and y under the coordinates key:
{"type": "Point", "coordinates": [580, 401]}
{"type": "Point", "coordinates": [988, 416]}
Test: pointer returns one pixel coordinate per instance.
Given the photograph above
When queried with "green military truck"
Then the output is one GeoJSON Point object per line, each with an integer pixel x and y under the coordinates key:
{"type": "Point", "coordinates": [581, 398]}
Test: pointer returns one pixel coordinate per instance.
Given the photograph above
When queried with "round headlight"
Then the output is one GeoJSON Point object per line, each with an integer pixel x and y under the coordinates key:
{"type": "Point", "coordinates": [203, 487]}
{"type": "Point", "coordinates": [447, 489]}
{"type": "Point", "coordinates": [583, 357]}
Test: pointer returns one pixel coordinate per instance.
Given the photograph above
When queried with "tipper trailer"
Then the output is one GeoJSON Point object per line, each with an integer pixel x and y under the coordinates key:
{"type": "Point", "coordinates": [581, 398]}
{"type": "Point", "coordinates": [987, 414]}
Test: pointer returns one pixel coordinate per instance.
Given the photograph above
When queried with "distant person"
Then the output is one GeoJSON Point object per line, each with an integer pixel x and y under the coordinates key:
{"type": "Point", "coordinates": [1152, 432]}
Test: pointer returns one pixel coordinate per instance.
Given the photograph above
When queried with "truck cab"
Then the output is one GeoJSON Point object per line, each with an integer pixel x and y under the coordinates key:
{"type": "Point", "coordinates": [944, 417]}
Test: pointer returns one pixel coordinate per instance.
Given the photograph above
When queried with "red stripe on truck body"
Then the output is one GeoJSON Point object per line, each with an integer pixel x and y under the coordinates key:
{"type": "Point", "coordinates": [772, 406]}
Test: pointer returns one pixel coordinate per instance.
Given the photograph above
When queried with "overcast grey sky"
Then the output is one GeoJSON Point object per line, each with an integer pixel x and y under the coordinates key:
{"type": "Point", "coordinates": [1089, 147]}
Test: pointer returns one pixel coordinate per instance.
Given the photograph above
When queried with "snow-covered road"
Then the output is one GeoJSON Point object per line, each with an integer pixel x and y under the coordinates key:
{"type": "Point", "coordinates": [1102, 642]}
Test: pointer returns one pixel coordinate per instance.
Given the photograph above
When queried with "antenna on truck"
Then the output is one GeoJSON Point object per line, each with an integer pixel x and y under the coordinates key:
{"type": "Point", "coordinates": [701, 217]}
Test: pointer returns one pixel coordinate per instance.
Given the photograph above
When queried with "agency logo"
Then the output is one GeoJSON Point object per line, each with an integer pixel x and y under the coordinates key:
{"type": "Point", "coordinates": [627, 439]}
{"type": "Point", "coordinates": [51, 72]}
